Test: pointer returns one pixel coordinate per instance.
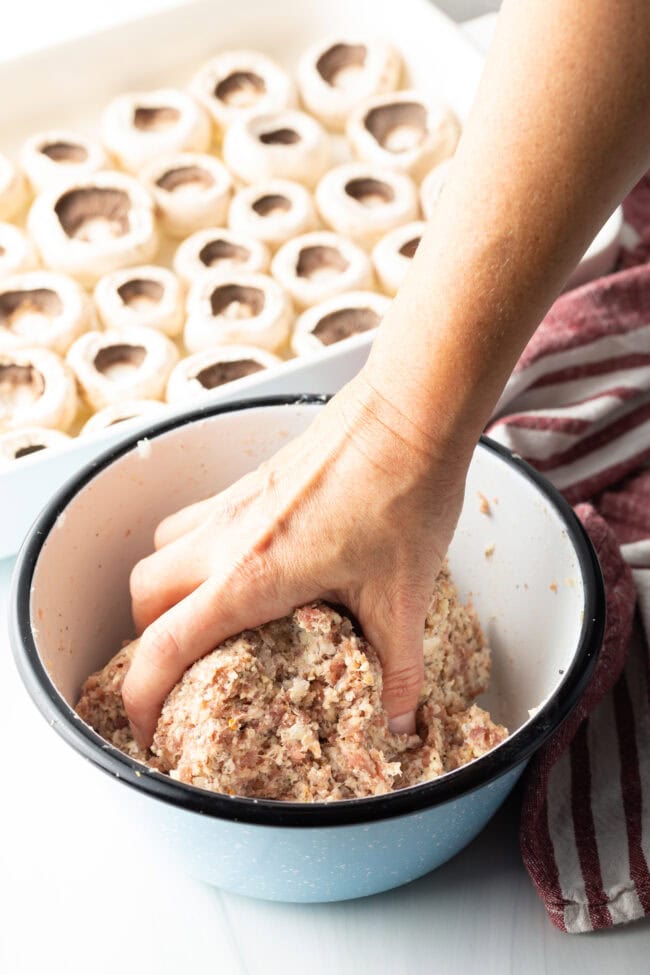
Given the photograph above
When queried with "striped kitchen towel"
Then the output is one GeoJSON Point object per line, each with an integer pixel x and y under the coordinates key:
{"type": "Point", "coordinates": [577, 407]}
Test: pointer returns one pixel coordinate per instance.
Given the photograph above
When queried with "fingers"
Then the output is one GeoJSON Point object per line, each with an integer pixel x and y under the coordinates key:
{"type": "Point", "coordinates": [188, 631]}
{"type": "Point", "coordinates": [398, 638]}
{"type": "Point", "coordinates": [403, 674]}
{"type": "Point", "coordinates": [182, 522]}
{"type": "Point", "coordinates": [228, 503]}
{"type": "Point", "coordinates": [164, 578]}
{"type": "Point", "coordinates": [166, 649]}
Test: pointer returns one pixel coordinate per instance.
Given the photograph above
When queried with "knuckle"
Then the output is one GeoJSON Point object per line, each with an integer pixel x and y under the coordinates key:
{"type": "Point", "coordinates": [139, 586]}
{"type": "Point", "coordinates": [160, 648]}
{"type": "Point", "coordinates": [230, 504]}
{"type": "Point", "coordinates": [253, 566]}
{"type": "Point", "coordinates": [161, 533]}
{"type": "Point", "coordinates": [401, 608]}
{"type": "Point", "coordinates": [404, 683]}
{"type": "Point", "coordinates": [409, 605]}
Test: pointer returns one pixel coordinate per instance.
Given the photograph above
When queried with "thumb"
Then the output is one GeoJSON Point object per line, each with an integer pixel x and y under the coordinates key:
{"type": "Point", "coordinates": [186, 632]}
{"type": "Point", "coordinates": [398, 640]}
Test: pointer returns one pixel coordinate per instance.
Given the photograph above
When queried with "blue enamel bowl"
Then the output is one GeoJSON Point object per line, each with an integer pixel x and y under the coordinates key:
{"type": "Point", "coordinates": [526, 563]}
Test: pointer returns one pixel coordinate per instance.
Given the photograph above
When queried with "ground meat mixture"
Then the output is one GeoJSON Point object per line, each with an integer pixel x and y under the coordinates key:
{"type": "Point", "coordinates": [292, 710]}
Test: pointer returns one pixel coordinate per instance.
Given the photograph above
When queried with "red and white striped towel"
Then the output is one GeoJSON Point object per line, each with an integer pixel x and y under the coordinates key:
{"type": "Point", "coordinates": [577, 407]}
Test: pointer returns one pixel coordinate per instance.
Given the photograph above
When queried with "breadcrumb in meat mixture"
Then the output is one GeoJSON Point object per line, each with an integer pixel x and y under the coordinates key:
{"type": "Point", "coordinates": [292, 710]}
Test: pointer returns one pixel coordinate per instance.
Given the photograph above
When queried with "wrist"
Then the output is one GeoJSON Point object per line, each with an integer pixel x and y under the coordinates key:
{"type": "Point", "coordinates": [406, 445]}
{"type": "Point", "coordinates": [427, 393]}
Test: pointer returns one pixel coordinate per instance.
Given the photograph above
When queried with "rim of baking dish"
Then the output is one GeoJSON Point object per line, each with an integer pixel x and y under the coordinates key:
{"type": "Point", "coordinates": [270, 812]}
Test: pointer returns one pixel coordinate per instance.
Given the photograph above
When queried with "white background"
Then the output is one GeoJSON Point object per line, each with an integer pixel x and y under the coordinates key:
{"type": "Point", "coordinates": [82, 892]}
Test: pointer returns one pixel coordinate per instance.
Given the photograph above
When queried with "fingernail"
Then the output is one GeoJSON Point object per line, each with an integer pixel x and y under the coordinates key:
{"type": "Point", "coordinates": [403, 724]}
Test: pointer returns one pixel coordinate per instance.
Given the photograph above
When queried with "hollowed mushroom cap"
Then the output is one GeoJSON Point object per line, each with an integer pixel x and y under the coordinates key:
{"type": "Point", "coordinates": [336, 74]}
{"type": "Point", "coordinates": [403, 131]}
{"type": "Point", "coordinates": [94, 226]}
{"type": "Point", "coordinates": [139, 127]}
{"type": "Point", "coordinates": [222, 250]}
{"type": "Point", "coordinates": [114, 366]}
{"type": "Point", "coordinates": [239, 83]}
{"type": "Point", "coordinates": [337, 319]}
{"type": "Point", "coordinates": [16, 444]}
{"type": "Point", "coordinates": [393, 254]}
{"type": "Point", "coordinates": [149, 296]}
{"type": "Point", "coordinates": [191, 192]}
{"type": "Point", "coordinates": [60, 156]}
{"type": "Point", "coordinates": [122, 412]}
{"type": "Point", "coordinates": [42, 309]}
{"type": "Point", "coordinates": [364, 202]}
{"type": "Point", "coordinates": [17, 253]}
{"type": "Point", "coordinates": [237, 309]}
{"type": "Point", "coordinates": [273, 211]}
{"type": "Point", "coordinates": [432, 186]}
{"type": "Point", "coordinates": [288, 144]}
{"type": "Point", "coordinates": [316, 266]}
{"type": "Point", "coordinates": [13, 189]}
{"type": "Point", "coordinates": [36, 390]}
{"type": "Point", "coordinates": [198, 375]}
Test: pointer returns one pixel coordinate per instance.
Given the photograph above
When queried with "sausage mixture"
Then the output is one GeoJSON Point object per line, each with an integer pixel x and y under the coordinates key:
{"type": "Point", "coordinates": [292, 710]}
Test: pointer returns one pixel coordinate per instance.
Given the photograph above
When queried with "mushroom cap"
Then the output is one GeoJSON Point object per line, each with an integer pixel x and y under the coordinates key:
{"type": "Point", "coordinates": [273, 211]}
{"type": "Point", "coordinates": [112, 366]}
{"type": "Point", "coordinates": [237, 309]}
{"type": "Point", "coordinates": [147, 295]}
{"type": "Point", "coordinates": [60, 156]}
{"type": "Point", "coordinates": [393, 254]}
{"type": "Point", "coordinates": [315, 266]}
{"type": "Point", "coordinates": [335, 74]}
{"type": "Point", "coordinates": [191, 191]}
{"type": "Point", "coordinates": [17, 252]}
{"type": "Point", "coordinates": [337, 319]}
{"type": "Point", "coordinates": [197, 375]}
{"type": "Point", "coordinates": [219, 248]}
{"type": "Point", "coordinates": [242, 82]}
{"type": "Point", "coordinates": [403, 131]}
{"type": "Point", "coordinates": [16, 444]}
{"type": "Point", "coordinates": [363, 201]}
{"type": "Point", "coordinates": [92, 226]}
{"type": "Point", "coordinates": [42, 309]}
{"type": "Point", "coordinates": [138, 127]}
{"type": "Point", "coordinates": [36, 389]}
{"type": "Point", "coordinates": [288, 144]}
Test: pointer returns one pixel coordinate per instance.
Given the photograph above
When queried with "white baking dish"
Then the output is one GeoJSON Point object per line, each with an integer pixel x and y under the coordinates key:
{"type": "Point", "coordinates": [67, 86]}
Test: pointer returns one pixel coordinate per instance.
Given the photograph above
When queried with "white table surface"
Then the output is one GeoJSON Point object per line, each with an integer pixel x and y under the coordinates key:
{"type": "Point", "coordinates": [82, 890]}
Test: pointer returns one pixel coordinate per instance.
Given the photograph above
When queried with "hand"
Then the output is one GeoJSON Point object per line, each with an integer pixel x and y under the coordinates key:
{"type": "Point", "coordinates": [358, 510]}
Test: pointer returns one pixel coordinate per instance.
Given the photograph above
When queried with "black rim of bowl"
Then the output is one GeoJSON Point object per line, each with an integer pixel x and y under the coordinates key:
{"type": "Point", "coordinates": [266, 812]}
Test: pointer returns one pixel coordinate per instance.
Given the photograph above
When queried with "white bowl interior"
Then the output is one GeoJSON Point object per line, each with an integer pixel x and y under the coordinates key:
{"type": "Point", "coordinates": [517, 563]}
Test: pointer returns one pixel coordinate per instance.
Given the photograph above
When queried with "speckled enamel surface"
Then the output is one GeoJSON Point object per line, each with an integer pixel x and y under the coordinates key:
{"type": "Point", "coordinates": [328, 864]}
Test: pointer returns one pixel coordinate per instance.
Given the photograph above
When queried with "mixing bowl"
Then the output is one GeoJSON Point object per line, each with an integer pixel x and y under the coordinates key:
{"type": "Point", "coordinates": [526, 562]}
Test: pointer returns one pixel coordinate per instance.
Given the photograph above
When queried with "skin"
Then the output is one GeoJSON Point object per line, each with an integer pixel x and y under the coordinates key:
{"type": "Point", "coordinates": [361, 508]}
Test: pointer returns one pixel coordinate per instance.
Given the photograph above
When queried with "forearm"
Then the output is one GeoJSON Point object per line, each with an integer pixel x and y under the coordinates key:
{"type": "Point", "coordinates": [344, 511]}
{"type": "Point", "coordinates": [559, 132]}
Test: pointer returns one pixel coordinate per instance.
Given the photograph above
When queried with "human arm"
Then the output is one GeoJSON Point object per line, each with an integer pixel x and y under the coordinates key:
{"type": "Point", "coordinates": [361, 508]}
